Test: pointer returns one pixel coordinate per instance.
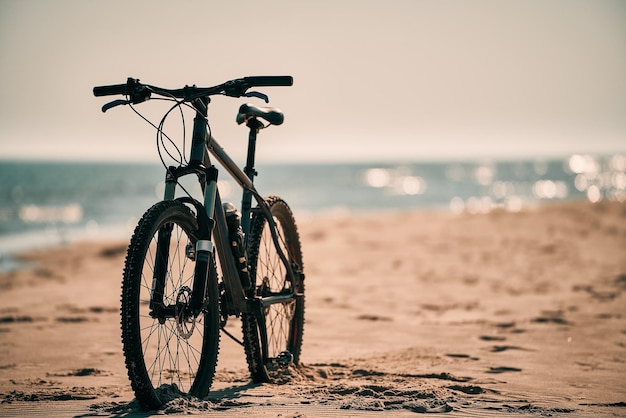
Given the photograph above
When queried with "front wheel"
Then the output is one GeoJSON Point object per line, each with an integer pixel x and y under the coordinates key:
{"type": "Point", "coordinates": [282, 323]}
{"type": "Point", "coordinates": [169, 349]}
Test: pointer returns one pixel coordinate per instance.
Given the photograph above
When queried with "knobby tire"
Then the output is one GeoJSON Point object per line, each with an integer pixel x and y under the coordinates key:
{"type": "Point", "coordinates": [284, 321]}
{"type": "Point", "coordinates": [177, 356]}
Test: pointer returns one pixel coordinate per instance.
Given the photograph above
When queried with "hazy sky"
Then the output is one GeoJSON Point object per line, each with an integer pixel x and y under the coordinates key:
{"type": "Point", "coordinates": [373, 79]}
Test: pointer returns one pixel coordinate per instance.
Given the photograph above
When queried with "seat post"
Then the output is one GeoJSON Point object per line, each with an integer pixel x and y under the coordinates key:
{"type": "Point", "coordinates": [254, 125]}
{"type": "Point", "coordinates": [246, 202]}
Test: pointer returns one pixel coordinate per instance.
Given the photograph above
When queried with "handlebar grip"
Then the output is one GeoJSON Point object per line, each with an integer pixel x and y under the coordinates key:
{"type": "Point", "coordinates": [110, 90]}
{"type": "Point", "coordinates": [270, 80]}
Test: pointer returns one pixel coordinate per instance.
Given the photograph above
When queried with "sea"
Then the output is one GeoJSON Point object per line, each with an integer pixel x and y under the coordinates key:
{"type": "Point", "coordinates": [45, 204]}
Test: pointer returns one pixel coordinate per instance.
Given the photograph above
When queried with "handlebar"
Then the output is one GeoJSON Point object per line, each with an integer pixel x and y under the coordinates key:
{"type": "Point", "coordinates": [235, 88]}
{"type": "Point", "coordinates": [110, 90]}
{"type": "Point", "coordinates": [269, 80]}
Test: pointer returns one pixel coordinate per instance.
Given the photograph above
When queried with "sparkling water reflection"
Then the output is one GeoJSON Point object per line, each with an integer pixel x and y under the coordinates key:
{"type": "Point", "coordinates": [62, 200]}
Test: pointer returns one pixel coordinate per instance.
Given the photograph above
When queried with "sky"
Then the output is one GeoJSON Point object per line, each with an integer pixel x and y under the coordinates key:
{"type": "Point", "coordinates": [373, 80]}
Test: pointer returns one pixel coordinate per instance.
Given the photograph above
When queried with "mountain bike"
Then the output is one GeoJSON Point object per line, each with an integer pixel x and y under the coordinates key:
{"type": "Point", "coordinates": [193, 263]}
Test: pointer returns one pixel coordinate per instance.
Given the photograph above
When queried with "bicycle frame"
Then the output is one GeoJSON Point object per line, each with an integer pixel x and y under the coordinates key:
{"type": "Point", "coordinates": [211, 217]}
{"type": "Point", "coordinates": [171, 331]}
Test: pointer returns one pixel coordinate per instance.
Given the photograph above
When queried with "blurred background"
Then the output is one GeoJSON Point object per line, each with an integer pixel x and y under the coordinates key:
{"type": "Point", "coordinates": [449, 105]}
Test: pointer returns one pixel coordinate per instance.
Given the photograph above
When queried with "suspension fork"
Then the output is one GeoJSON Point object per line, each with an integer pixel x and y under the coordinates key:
{"type": "Point", "coordinates": [204, 246]}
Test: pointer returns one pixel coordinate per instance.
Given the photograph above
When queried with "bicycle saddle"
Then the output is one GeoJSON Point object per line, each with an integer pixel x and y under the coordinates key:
{"type": "Point", "coordinates": [270, 114]}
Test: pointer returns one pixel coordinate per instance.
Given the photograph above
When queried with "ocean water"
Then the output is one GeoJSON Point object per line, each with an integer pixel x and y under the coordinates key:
{"type": "Point", "coordinates": [46, 203]}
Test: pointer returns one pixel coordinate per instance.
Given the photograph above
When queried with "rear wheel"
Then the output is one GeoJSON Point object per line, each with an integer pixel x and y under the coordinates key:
{"type": "Point", "coordinates": [282, 322]}
{"type": "Point", "coordinates": [175, 352]}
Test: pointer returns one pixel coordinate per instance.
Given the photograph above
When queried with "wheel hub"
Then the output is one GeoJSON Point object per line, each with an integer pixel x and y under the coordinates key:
{"type": "Point", "coordinates": [185, 323]}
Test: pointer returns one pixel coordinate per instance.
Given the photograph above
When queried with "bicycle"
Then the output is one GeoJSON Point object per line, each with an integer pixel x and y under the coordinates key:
{"type": "Point", "coordinates": [191, 264]}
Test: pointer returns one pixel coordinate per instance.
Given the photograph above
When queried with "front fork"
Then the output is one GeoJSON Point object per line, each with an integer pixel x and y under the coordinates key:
{"type": "Point", "coordinates": [202, 254]}
{"type": "Point", "coordinates": [204, 245]}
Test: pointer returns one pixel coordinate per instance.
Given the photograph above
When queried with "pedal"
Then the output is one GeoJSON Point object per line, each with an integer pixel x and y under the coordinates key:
{"type": "Point", "coordinates": [284, 360]}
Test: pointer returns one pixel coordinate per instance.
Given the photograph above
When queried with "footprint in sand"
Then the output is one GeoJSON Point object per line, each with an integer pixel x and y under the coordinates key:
{"type": "Point", "coordinates": [504, 369]}
{"type": "Point", "coordinates": [470, 390]}
{"type": "Point", "coordinates": [369, 317]}
{"type": "Point", "coordinates": [92, 309]}
{"type": "Point", "coordinates": [72, 319]}
{"type": "Point", "coordinates": [492, 338]}
{"type": "Point", "coordinates": [88, 371]}
{"type": "Point", "coordinates": [11, 319]}
{"type": "Point", "coordinates": [463, 356]}
{"type": "Point", "coordinates": [103, 309]}
{"type": "Point", "coordinates": [509, 327]}
{"type": "Point", "coordinates": [501, 348]}
{"type": "Point", "coordinates": [551, 320]}
{"type": "Point", "coordinates": [505, 325]}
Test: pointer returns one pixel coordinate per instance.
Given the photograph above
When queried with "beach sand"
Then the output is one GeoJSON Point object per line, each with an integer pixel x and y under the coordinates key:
{"type": "Point", "coordinates": [469, 315]}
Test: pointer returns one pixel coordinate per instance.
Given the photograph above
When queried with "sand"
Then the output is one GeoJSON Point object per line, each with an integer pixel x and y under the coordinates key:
{"type": "Point", "coordinates": [468, 315]}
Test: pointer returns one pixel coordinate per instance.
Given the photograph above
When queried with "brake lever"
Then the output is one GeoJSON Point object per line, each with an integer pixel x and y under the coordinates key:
{"type": "Point", "coordinates": [114, 103]}
{"type": "Point", "coordinates": [259, 95]}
